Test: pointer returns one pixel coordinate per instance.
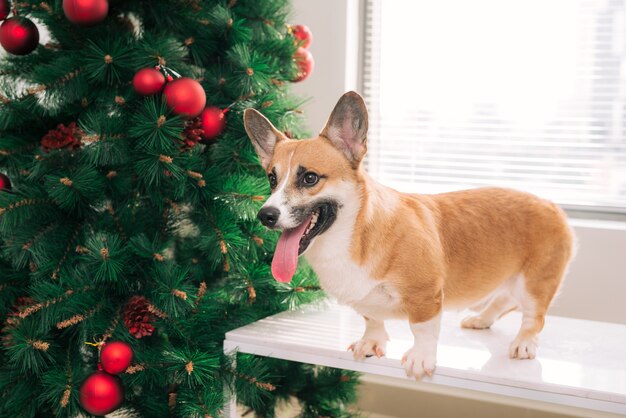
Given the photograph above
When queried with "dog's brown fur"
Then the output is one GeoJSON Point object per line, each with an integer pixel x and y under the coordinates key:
{"type": "Point", "coordinates": [464, 245]}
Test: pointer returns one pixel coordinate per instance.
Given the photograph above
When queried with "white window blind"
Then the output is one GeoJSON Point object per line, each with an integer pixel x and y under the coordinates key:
{"type": "Point", "coordinates": [529, 94]}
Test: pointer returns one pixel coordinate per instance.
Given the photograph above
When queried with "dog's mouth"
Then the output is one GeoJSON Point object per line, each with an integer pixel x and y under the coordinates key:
{"type": "Point", "coordinates": [295, 241]}
{"type": "Point", "coordinates": [320, 220]}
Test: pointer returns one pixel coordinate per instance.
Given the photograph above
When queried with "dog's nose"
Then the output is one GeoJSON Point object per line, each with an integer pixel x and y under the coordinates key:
{"type": "Point", "coordinates": [269, 216]}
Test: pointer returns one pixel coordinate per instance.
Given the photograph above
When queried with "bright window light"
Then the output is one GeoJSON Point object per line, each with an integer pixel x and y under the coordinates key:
{"type": "Point", "coordinates": [526, 94]}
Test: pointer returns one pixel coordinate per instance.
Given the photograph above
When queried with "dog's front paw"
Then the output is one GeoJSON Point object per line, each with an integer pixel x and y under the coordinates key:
{"type": "Point", "coordinates": [368, 347]}
{"type": "Point", "coordinates": [420, 360]}
{"type": "Point", "coordinates": [524, 347]}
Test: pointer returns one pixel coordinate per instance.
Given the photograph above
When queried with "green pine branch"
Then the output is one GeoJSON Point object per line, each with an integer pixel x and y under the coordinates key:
{"type": "Point", "coordinates": [134, 209]}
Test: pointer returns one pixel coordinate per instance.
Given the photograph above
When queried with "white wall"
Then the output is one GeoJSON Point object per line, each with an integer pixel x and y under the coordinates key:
{"type": "Point", "coordinates": [334, 24]}
{"type": "Point", "coordinates": [595, 286]}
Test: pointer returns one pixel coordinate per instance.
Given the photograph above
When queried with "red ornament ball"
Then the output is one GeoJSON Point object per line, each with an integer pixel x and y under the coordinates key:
{"type": "Point", "coordinates": [5, 9]}
{"type": "Point", "coordinates": [303, 35]}
{"type": "Point", "coordinates": [5, 183]}
{"type": "Point", "coordinates": [213, 122]}
{"type": "Point", "coordinates": [115, 357]}
{"type": "Point", "coordinates": [101, 393]}
{"type": "Point", "coordinates": [185, 97]}
{"type": "Point", "coordinates": [19, 36]}
{"type": "Point", "coordinates": [86, 12]}
{"type": "Point", "coordinates": [304, 60]}
{"type": "Point", "coordinates": [148, 81]}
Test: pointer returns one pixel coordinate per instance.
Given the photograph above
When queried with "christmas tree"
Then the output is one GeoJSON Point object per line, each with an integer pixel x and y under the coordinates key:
{"type": "Point", "coordinates": [128, 200]}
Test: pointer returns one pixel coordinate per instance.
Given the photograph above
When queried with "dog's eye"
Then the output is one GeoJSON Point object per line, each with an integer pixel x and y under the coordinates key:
{"type": "Point", "coordinates": [310, 179]}
{"type": "Point", "coordinates": [272, 178]}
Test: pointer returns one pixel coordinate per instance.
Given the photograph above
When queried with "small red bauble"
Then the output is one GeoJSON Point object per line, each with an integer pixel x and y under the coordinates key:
{"type": "Point", "coordinates": [185, 97]}
{"type": "Point", "coordinates": [5, 9]}
{"type": "Point", "coordinates": [115, 357]}
{"type": "Point", "coordinates": [5, 183]}
{"type": "Point", "coordinates": [86, 12]}
{"type": "Point", "coordinates": [305, 63]}
{"type": "Point", "coordinates": [148, 81]}
{"type": "Point", "coordinates": [303, 35]}
{"type": "Point", "coordinates": [101, 393]}
{"type": "Point", "coordinates": [19, 35]}
{"type": "Point", "coordinates": [213, 122]}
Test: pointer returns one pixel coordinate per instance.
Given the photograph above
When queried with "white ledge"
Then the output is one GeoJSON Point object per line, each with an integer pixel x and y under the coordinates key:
{"type": "Point", "coordinates": [580, 363]}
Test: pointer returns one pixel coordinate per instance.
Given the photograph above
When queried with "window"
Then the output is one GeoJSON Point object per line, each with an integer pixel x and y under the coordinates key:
{"type": "Point", "coordinates": [529, 94]}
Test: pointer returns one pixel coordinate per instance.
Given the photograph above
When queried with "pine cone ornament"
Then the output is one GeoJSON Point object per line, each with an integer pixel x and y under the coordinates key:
{"type": "Point", "coordinates": [193, 133]}
{"type": "Point", "coordinates": [62, 137]}
{"type": "Point", "coordinates": [137, 317]}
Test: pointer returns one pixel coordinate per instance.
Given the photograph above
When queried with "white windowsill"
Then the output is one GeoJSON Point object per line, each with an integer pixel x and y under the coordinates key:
{"type": "Point", "coordinates": [580, 363]}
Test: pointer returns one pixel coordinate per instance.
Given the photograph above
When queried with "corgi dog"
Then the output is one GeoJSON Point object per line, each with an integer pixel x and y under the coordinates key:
{"type": "Point", "coordinates": [392, 255]}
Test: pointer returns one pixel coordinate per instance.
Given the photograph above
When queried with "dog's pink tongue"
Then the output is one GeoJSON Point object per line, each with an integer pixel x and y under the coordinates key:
{"type": "Point", "coordinates": [286, 255]}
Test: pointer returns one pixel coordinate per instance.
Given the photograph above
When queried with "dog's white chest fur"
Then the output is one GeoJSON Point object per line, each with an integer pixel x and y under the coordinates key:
{"type": "Point", "coordinates": [340, 277]}
{"type": "Point", "coordinates": [351, 284]}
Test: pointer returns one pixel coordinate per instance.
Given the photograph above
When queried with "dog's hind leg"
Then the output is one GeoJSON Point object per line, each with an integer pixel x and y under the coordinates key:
{"type": "Point", "coordinates": [534, 291]}
{"type": "Point", "coordinates": [501, 304]}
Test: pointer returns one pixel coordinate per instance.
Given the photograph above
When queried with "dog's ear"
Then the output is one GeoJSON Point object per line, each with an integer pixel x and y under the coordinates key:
{"type": "Point", "coordinates": [347, 127]}
{"type": "Point", "coordinates": [263, 135]}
